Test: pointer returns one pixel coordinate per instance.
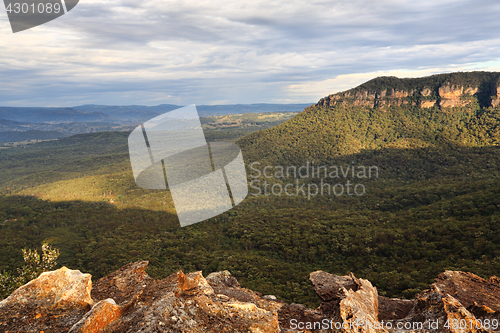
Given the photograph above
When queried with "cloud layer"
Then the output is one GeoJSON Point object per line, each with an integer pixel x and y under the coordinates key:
{"type": "Point", "coordinates": [215, 52]}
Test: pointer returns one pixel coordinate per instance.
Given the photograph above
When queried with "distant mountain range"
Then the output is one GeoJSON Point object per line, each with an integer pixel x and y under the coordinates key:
{"type": "Point", "coordinates": [51, 115]}
{"type": "Point", "coordinates": [129, 113]}
{"type": "Point", "coordinates": [39, 123]}
{"type": "Point", "coordinates": [140, 112]}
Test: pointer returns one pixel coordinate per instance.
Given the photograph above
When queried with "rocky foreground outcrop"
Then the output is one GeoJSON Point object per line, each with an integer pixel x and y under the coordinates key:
{"type": "Point", "coordinates": [128, 300]}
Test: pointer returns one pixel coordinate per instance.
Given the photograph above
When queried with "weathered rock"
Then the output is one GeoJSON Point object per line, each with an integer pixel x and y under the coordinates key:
{"type": "Point", "coordinates": [455, 298]}
{"type": "Point", "coordinates": [456, 102]}
{"type": "Point", "coordinates": [471, 90]}
{"type": "Point", "coordinates": [270, 297]}
{"type": "Point", "coordinates": [454, 95]}
{"type": "Point", "coordinates": [291, 315]}
{"type": "Point", "coordinates": [224, 283]}
{"type": "Point", "coordinates": [347, 299]}
{"type": "Point", "coordinates": [471, 291]}
{"type": "Point", "coordinates": [426, 92]}
{"type": "Point", "coordinates": [122, 285]}
{"type": "Point", "coordinates": [393, 308]}
{"type": "Point", "coordinates": [53, 302]}
{"type": "Point", "coordinates": [60, 301]}
{"type": "Point", "coordinates": [400, 94]}
{"type": "Point", "coordinates": [222, 279]}
{"type": "Point", "coordinates": [449, 91]}
{"type": "Point", "coordinates": [187, 303]}
{"type": "Point", "coordinates": [433, 312]}
{"type": "Point", "coordinates": [428, 104]}
{"type": "Point", "coordinates": [495, 99]}
{"type": "Point", "coordinates": [193, 284]}
{"type": "Point", "coordinates": [330, 287]}
{"type": "Point", "coordinates": [98, 318]}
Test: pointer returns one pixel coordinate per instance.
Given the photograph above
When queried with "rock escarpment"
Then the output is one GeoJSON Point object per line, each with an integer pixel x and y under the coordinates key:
{"type": "Point", "coordinates": [444, 91]}
{"type": "Point", "coordinates": [128, 300]}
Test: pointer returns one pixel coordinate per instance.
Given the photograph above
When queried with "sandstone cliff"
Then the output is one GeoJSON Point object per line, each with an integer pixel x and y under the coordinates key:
{"type": "Point", "coordinates": [443, 91]}
{"type": "Point", "coordinates": [128, 300]}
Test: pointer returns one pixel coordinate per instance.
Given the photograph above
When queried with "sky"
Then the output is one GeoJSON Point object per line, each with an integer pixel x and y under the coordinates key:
{"type": "Point", "coordinates": [150, 52]}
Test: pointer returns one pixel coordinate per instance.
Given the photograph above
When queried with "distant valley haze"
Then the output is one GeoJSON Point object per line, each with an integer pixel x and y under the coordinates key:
{"type": "Point", "coordinates": [19, 124]}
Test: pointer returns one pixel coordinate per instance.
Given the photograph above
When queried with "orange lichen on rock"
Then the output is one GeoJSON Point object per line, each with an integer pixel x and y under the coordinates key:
{"type": "Point", "coordinates": [98, 318]}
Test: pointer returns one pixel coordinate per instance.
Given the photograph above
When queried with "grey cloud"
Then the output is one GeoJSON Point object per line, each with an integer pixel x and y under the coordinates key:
{"type": "Point", "coordinates": [251, 54]}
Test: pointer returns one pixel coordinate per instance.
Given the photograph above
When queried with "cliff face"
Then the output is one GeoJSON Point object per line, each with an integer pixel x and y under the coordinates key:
{"type": "Point", "coordinates": [128, 300]}
{"type": "Point", "coordinates": [444, 91]}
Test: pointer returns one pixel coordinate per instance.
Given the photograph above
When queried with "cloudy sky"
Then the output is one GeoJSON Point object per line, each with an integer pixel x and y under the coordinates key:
{"type": "Point", "coordinates": [150, 52]}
